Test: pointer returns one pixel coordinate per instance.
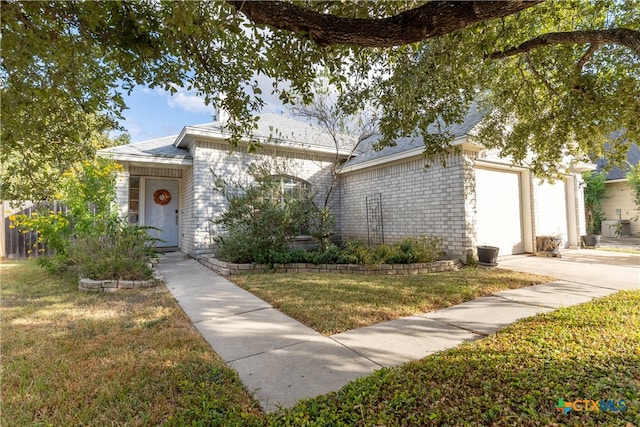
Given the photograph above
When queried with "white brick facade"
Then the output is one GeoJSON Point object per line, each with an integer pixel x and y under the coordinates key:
{"type": "Point", "coordinates": [203, 204]}
{"type": "Point", "coordinates": [415, 201]}
{"type": "Point", "coordinates": [438, 201]}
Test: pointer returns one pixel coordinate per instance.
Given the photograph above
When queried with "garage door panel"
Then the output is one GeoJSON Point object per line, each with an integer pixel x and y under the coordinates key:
{"type": "Point", "coordinates": [551, 208]}
{"type": "Point", "coordinates": [498, 208]}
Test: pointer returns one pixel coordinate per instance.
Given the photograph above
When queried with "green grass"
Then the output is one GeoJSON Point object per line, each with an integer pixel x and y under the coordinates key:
{"type": "Point", "coordinates": [590, 351]}
{"type": "Point", "coordinates": [331, 303]}
{"type": "Point", "coordinates": [132, 358]}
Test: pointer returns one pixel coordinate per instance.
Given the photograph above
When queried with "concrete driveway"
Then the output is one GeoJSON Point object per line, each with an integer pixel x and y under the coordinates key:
{"type": "Point", "coordinates": [612, 270]}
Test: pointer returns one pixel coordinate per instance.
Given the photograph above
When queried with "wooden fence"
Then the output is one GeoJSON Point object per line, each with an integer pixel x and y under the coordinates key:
{"type": "Point", "coordinates": [20, 244]}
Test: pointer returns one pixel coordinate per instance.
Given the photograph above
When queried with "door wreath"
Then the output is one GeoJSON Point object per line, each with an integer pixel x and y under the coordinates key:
{"type": "Point", "coordinates": [162, 197]}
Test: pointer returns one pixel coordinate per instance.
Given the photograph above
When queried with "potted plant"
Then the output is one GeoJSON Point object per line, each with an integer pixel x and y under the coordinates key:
{"type": "Point", "coordinates": [549, 245]}
{"type": "Point", "coordinates": [488, 255]}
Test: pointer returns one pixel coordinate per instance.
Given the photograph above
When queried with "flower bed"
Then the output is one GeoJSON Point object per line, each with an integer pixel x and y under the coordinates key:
{"type": "Point", "coordinates": [230, 269]}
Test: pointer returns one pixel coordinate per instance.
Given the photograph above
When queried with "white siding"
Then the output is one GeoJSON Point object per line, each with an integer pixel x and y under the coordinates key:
{"type": "Point", "coordinates": [619, 195]}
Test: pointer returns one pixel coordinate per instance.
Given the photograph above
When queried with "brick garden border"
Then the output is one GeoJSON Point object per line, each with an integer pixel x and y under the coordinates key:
{"type": "Point", "coordinates": [229, 269]}
{"type": "Point", "coordinates": [89, 285]}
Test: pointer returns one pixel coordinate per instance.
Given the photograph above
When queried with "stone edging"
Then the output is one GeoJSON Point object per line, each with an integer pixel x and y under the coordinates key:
{"type": "Point", "coordinates": [89, 285]}
{"type": "Point", "coordinates": [229, 269]}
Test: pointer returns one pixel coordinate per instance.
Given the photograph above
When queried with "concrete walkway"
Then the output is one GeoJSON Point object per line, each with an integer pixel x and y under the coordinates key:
{"type": "Point", "coordinates": [282, 361]}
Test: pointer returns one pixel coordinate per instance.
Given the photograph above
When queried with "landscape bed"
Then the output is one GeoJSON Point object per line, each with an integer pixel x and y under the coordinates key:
{"type": "Point", "coordinates": [226, 269]}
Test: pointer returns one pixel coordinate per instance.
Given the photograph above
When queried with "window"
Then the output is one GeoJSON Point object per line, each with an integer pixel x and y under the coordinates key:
{"type": "Point", "coordinates": [294, 194]}
{"type": "Point", "coordinates": [134, 199]}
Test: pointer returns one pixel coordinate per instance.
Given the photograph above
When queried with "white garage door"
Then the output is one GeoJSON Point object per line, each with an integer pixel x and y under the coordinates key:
{"type": "Point", "coordinates": [499, 217]}
{"type": "Point", "coordinates": [551, 208]}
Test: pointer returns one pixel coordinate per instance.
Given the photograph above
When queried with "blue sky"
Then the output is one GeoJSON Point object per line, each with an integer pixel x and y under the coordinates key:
{"type": "Point", "coordinates": [154, 113]}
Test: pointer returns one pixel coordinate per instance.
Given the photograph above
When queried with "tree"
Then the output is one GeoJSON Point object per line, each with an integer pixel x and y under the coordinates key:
{"type": "Point", "coordinates": [633, 179]}
{"type": "Point", "coordinates": [558, 77]}
{"type": "Point", "coordinates": [347, 132]}
{"type": "Point", "coordinates": [593, 194]}
{"type": "Point", "coordinates": [35, 156]}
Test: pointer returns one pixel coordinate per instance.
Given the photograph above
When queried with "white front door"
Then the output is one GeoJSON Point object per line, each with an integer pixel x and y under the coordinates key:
{"type": "Point", "coordinates": [161, 210]}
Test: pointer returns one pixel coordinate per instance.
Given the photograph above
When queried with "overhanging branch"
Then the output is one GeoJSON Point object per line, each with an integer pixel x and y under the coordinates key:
{"type": "Point", "coordinates": [618, 36]}
{"type": "Point", "coordinates": [433, 19]}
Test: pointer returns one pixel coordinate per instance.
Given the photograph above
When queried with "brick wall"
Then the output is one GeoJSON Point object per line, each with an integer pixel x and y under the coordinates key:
{"type": "Point", "coordinates": [122, 193]}
{"type": "Point", "coordinates": [187, 219]}
{"type": "Point", "coordinates": [207, 203]}
{"type": "Point", "coordinates": [415, 201]}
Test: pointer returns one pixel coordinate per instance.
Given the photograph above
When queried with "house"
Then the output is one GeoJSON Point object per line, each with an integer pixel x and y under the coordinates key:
{"type": "Point", "coordinates": [618, 201]}
{"type": "Point", "coordinates": [381, 196]}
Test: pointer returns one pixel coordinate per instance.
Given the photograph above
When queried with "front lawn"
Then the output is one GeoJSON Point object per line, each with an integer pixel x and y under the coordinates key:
{"type": "Point", "coordinates": [73, 358]}
{"type": "Point", "coordinates": [513, 378]}
{"type": "Point", "coordinates": [331, 303]}
{"type": "Point", "coordinates": [132, 358]}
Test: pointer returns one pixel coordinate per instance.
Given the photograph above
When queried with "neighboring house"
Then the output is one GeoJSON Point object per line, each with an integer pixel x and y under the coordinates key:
{"type": "Point", "coordinates": [382, 196]}
{"type": "Point", "coordinates": [618, 201]}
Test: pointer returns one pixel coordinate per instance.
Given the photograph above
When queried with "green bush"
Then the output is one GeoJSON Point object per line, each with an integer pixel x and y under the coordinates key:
{"type": "Point", "coordinates": [124, 253]}
{"type": "Point", "coordinates": [409, 250]}
{"type": "Point", "coordinates": [593, 194]}
{"type": "Point", "coordinates": [263, 218]}
{"type": "Point", "coordinates": [88, 237]}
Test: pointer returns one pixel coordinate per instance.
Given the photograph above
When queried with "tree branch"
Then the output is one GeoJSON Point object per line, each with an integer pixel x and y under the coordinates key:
{"type": "Point", "coordinates": [433, 19]}
{"type": "Point", "coordinates": [619, 36]}
{"type": "Point", "coordinates": [586, 57]}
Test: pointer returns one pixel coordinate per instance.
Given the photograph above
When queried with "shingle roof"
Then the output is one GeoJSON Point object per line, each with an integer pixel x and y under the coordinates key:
{"type": "Point", "coordinates": [273, 127]}
{"type": "Point", "coordinates": [278, 129]}
{"type": "Point", "coordinates": [368, 153]}
{"type": "Point", "coordinates": [160, 147]}
{"type": "Point", "coordinates": [633, 157]}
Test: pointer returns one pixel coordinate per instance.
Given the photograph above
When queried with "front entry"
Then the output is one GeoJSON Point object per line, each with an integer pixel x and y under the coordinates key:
{"type": "Point", "coordinates": [161, 210]}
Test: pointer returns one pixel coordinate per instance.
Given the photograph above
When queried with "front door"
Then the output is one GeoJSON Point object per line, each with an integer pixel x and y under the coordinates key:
{"type": "Point", "coordinates": [161, 210]}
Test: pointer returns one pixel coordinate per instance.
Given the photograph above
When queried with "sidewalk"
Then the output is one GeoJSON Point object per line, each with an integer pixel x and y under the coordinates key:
{"type": "Point", "coordinates": [283, 361]}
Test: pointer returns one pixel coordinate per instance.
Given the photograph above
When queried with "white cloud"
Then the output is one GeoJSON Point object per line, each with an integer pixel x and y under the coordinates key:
{"type": "Point", "coordinates": [188, 101]}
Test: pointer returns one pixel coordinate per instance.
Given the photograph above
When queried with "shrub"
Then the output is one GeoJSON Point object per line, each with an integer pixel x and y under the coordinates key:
{"type": "Point", "coordinates": [123, 253]}
{"type": "Point", "coordinates": [263, 218]}
{"type": "Point", "coordinates": [633, 177]}
{"type": "Point", "coordinates": [407, 251]}
{"type": "Point", "coordinates": [593, 193]}
{"type": "Point", "coordinates": [88, 237]}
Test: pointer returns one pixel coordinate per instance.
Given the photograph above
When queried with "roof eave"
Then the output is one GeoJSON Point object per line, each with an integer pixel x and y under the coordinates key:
{"type": "Point", "coordinates": [190, 134]}
{"type": "Point", "coordinates": [178, 161]}
{"type": "Point", "coordinates": [460, 142]}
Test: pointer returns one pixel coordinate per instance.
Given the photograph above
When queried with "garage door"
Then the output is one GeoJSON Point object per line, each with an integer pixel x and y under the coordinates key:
{"type": "Point", "coordinates": [551, 208]}
{"type": "Point", "coordinates": [499, 217]}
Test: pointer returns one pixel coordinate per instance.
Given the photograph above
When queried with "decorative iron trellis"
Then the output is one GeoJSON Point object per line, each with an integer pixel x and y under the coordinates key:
{"type": "Point", "coordinates": [375, 225]}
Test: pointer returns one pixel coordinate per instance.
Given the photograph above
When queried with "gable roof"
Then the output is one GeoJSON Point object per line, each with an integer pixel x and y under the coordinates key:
{"type": "Point", "coordinates": [159, 150]}
{"type": "Point", "coordinates": [412, 144]}
{"type": "Point", "coordinates": [273, 129]}
{"type": "Point", "coordinates": [633, 157]}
